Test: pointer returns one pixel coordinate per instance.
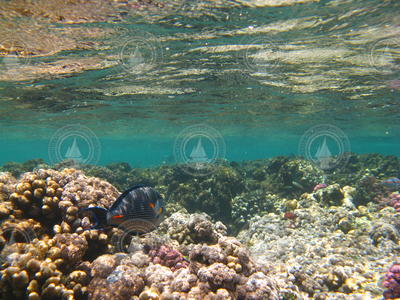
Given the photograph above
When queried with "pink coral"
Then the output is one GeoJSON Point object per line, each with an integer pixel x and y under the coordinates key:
{"type": "Point", "coordinates": [166, 256]}
{"type": "Point", "coordinates": [392, 282]}
{"type": "Point", "coordinates": [319, 186]}
{"type": "Point", "coordinates": [395, 201]}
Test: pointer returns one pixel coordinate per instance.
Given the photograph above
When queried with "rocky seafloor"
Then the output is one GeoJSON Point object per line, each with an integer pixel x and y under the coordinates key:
{"type": "Point", "coordinates": [277, 228]}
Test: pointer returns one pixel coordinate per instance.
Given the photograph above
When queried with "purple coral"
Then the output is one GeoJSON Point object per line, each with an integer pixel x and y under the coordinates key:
{"type": "Point", "coordinates": [166, 256]}
{"type": "Point", "coordinates": [392, 282]}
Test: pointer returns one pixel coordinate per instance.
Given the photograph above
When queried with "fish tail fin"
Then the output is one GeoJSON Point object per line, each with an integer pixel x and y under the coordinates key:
{"type": "Point", "coordinates": [99, 214]}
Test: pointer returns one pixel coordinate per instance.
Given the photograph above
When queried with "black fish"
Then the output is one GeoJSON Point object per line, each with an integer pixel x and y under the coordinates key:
{"type": "Point", "coordinates": [139, 204]}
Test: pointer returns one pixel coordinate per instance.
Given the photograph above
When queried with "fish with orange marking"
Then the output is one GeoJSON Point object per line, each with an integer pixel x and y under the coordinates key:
{"type": "Point", "coordinates": [139, 203]}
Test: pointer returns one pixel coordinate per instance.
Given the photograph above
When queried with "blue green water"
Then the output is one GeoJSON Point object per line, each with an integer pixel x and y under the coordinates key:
{"type": "Point", "coordinates": [259, 77]}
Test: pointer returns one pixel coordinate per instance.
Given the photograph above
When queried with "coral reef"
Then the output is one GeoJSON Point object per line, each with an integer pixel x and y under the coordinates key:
{"type": "Point", "coordinates": [222, 270]}
{"type": "Point", "coordinates": [333, 252]}
{"type": "Point", "coordinates": [234, 192]}
{"type": "Point", "coordinates": [285, 176]}
{"type": "Point", "coordinates": [46, 253]}
{"type": "Point", "coordinates": [16, 169]}
{"type": "Point", "coordinates": [211, 194]}
{"type": "Point", "coordinates": [249, 204]}
{"type": "Point", "coordinates": [299, 239]}
{"type": "Point", "coordinates": [368, 189]}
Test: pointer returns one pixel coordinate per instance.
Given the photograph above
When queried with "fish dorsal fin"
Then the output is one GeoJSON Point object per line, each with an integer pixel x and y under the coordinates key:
{"type": "Point", "coordinates": [123, 195]}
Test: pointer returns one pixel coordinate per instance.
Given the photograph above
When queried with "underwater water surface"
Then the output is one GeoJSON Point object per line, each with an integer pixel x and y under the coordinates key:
{"type": "Point", "coordinates": [269, 129]}
{"type": "Point", "coordinates": [263, 72]}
